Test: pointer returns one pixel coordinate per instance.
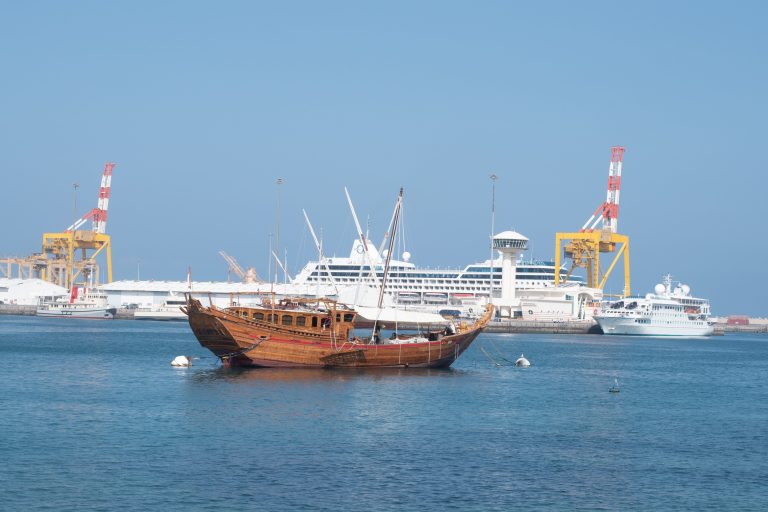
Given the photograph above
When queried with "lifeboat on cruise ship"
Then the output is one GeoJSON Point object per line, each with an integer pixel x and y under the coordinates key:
{"type": "Point", "coordinates": [436, 298]}
{"type": "Point", "coordinates": [408, 297]}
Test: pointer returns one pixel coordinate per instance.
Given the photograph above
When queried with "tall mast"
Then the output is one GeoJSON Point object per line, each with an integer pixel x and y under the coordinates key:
{"type": "Point", "coordinates": [393, 229]}
{"type": "Point", "coordinates": [363, 241]}
{"type": "Point", "coordinates": [319, 247]}
{"type": "Point", "coordinates": [388, 233]}
{"type": "Point", "coordinates": [493, 222]}
{"type": "Point", "coordinates": [278, 182]}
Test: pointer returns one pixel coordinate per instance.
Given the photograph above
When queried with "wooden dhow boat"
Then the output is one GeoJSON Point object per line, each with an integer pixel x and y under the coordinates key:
{"type": "Point", "coordinates": [320, 333]}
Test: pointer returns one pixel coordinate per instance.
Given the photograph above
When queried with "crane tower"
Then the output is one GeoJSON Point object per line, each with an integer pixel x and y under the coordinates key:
{"type": "Point", "coordinates": [598, 235]}
{"type": "Point", "coordinates": [71, 255]}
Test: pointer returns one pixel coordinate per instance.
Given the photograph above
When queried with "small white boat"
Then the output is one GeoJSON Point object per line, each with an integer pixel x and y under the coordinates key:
{"type": "Point", "coordinates": [91, 304]}
{"type": "Point", "coordinates": [615, 388]}
{"type": "Point", "coordinates": [169, 310]}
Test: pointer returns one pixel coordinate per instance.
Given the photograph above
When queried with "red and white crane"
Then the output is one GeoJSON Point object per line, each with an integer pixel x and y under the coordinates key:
{"type": "Point", "coordinates": [98, 214]}
{"type": "Point", "coordinates": [608, 212]}
{"type": "Point", "coordinates": [598, 235]}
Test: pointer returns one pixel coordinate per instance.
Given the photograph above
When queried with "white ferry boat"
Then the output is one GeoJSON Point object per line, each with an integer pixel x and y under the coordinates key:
{"type": "Point", "coordinates": [409, 285]}
{"type": "Point", "coordinates": [169, 310]}
{"type": "Point", "coordinates": [91, 303]}
{"type": "Point", "coordinates": [667, 312]}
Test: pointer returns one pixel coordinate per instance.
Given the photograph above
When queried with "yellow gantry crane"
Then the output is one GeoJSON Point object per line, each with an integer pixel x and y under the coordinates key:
{"type": "Point", "coordinates": [70, 256]}
{"type": "Point", "coordinates": [598, 235]}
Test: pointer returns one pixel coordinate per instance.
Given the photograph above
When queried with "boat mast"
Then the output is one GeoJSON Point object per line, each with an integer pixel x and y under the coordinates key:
{"type": "Point", "coordinates": [393, 228]}
{"type": "Point", "coordinates": [286, 276]}
{"type": "Point", "coordinates": [322, 258]}
{"type": "Point", "coordinates": [389, 233]}
{"type": "Point", "coordinates": [278, 182]}
{"type": "Point", "coordinates": [363, 241]}
{"type": "Point", "coordinates": [493, 221]}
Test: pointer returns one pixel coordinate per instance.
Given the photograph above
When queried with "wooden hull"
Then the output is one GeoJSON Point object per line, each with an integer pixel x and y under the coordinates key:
{"type": "Point", "coordinates": [241, 342]}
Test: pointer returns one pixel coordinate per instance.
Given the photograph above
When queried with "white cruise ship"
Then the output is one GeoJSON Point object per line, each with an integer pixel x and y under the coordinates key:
{"type": "Point", "coordinates": [456, 292]}
{"type": "Point", "coordinates": [667, 312]}
{"type": "Point", "coordinates": [408, 285]}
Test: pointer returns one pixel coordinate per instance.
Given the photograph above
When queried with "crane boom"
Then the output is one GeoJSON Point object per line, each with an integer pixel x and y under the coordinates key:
{"type": "Point", "coordinates": [608, 212]}
{"type": "Point", "coordinates": [234, 266]}
{"type": "Point", "coordinates": [98, 214]}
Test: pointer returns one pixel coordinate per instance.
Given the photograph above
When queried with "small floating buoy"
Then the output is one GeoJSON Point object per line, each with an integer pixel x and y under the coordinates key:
{"type": "Point", "coordinates": [615, 388]}
{"type": "Point", "coordinates": [522, 361]}
{"type": "Point", "coordinates": [182, 361]}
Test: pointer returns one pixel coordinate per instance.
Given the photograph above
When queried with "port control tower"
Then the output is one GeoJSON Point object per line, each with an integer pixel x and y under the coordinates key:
{"type": "Point", "coordinates": [510, 244]}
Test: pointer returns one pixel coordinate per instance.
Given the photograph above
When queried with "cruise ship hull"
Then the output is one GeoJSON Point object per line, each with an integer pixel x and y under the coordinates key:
{"type": "Point", "coordinates": [624, 326]}
{"type": "Point", "coordinates": [97, 313]}
{"type": "Point", "coordinates": [176, 316]}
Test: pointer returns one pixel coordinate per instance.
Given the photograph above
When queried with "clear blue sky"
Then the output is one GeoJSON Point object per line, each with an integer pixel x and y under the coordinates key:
{"type": "Point", "coordinates": [204, 105]}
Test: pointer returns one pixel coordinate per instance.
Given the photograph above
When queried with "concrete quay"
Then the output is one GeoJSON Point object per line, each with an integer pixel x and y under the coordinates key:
{"type": "Point", "coordinates": [124, 314]}
{"type": "Point", "coordinates": [754, 328]}
{"type": "Point", "coordinates": [17, 309]}
{"type": "Point", "coordinates": [544, 327]}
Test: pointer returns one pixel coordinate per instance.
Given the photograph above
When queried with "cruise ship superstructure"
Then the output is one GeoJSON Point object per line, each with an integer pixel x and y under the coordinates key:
{"type": "Point", "coordinates": [350, 280]}
{"type": "Point", "coordinates": [465, 289]}
{"type": "Point", "coordinates": [409, 284]}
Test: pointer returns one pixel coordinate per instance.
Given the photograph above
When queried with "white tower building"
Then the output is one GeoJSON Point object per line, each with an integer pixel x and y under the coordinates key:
{"type": "Point", "coordinates": [510, 244]}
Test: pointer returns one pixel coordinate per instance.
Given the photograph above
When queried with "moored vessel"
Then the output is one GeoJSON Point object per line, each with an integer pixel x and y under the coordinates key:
{"type": "Point", "coordinates": [320, 333]}
{"type": "Point", "coordinates": [170, 310]}
{"type": "Point", "coordinates": [90, 304]}
{"type": "Point", "coordinates": [669, 311]}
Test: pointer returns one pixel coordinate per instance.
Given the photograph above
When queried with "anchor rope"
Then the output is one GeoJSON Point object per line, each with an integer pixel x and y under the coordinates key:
{"type": "Point", "coordinates": [498, 353]}
{"type": "Point", "coordinates": [494, 361]}
{"type": "Point", "coordinates": [243, 350]}
{"type": "Point", "coordinates": [491, 359]}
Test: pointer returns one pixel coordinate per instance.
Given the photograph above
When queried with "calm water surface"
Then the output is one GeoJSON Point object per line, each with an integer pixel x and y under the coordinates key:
{"type": "Point", "coordinates": [93, 417]}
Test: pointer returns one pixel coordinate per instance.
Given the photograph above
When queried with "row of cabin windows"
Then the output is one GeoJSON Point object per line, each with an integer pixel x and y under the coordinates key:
{"type": "Point", "coordinates": [648, 321]}
{"type": "Point", "coordinates": [400, 284]}
{"type": "Point", "coordinates": [301, 321]}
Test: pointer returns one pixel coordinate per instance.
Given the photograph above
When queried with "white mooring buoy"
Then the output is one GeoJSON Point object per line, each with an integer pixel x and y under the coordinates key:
{"type": "Point", "coordinates": [182, 361]}
{"type": "Point", "coordinates": [522, 361]}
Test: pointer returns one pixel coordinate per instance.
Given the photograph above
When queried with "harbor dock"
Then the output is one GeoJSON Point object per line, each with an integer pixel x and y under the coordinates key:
{"type": "Point", "coordinates": [18, 309]}
{"type": "Point", "coordinates": [543, 327]}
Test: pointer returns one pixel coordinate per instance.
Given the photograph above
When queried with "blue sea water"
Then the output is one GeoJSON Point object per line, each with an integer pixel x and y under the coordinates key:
{"type": "Point", "coordinates": [93, 417]}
